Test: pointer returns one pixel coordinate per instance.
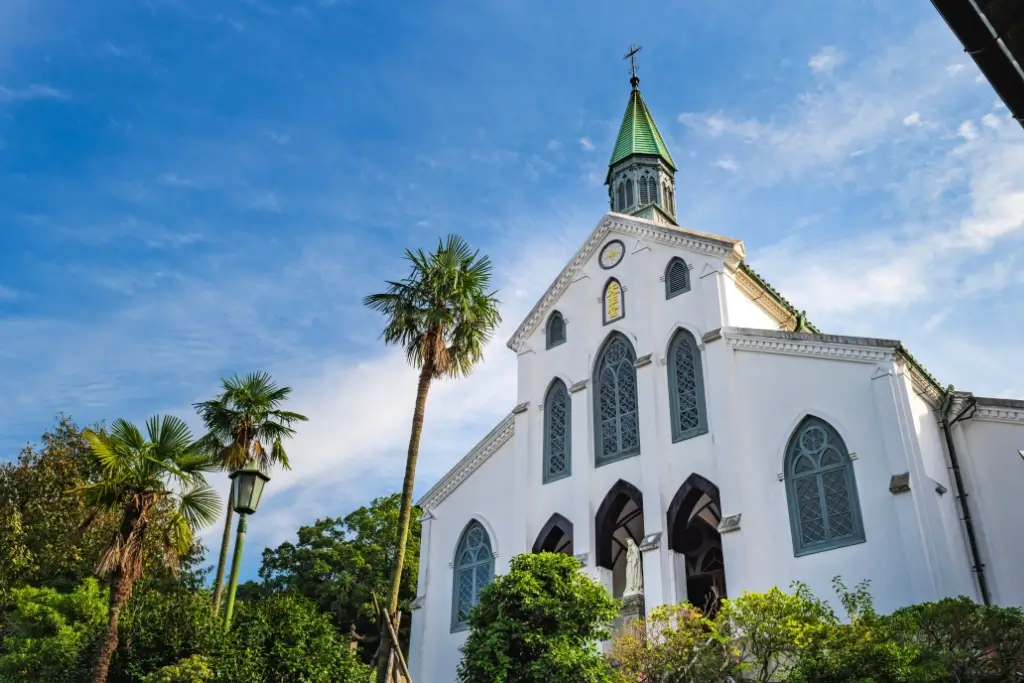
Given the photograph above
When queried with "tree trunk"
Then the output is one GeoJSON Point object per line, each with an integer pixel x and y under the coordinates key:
{"type": "Point", "coordinates": [405, 515]}
{"type": "Point", "coordinates": [120, 589]}
{"type": "Point", "coordinates": [222, 562]}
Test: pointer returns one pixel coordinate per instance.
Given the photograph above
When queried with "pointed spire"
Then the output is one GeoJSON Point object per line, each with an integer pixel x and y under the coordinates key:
{"type": "Point", "coordinates": [638, 133]}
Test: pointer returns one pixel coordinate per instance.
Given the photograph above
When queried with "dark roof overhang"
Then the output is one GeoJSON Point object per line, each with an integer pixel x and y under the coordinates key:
{"type": "Point", "coordinates": [992, 33]}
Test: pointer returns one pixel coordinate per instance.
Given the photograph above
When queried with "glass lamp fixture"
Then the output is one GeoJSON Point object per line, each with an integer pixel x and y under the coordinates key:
{"type": "Point", "coordinates": [246, 489]}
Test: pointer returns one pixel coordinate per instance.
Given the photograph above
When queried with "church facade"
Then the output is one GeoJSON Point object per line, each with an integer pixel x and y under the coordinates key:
{"type": "Point", "coordinates": [667, 395]}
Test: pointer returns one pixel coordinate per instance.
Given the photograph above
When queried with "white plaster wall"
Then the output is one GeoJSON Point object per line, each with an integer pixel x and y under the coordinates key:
{"type": "Point", "coordinates": [994, 474]}
{"type": "Point", "coordinates": [742, 312]}
{"type": "Point", "coordinates": [485, 497]}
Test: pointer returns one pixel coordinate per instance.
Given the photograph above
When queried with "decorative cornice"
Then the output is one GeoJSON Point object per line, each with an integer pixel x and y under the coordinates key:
{"type": "Point", "coordinates": [642, 361]}
{"type": "Point", "coordinates": [762, 298]}
{"type": "Point", "coordinates": [857, 349]}
{"type": "Point", "coordinates": [712, 245]}
{"type": "Point", "coordinates": [476, 457]}
{"type": "Point", "coordinates": [999, 410]}
{"type": "Point", "coordinates": [650, 542]}
{"type": "Point", "coordinates": [579, 386]}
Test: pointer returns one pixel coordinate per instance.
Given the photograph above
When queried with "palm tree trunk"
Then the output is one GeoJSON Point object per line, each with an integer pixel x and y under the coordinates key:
{"type": "Point", "coordinates": [222, 563]}
{"type": "Point", "coordinates": [120, 589]}
{"type": "Point", "coordinates": [404, 515]}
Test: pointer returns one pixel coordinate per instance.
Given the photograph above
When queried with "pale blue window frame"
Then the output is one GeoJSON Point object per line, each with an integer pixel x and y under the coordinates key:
{"type": "Point", "coordinates": [686, 387]}
{"type": "Point", "coordinates": [616, 408]}
{"type": "Point", "coordinates": [473, 571]}
{"type": "Point", "coordinates": [821, 490]}
{"type": "Point", "coordinates": [557, 432]}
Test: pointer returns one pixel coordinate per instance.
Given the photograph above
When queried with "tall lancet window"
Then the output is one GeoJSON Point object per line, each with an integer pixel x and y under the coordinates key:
{"type": "Point", "coordinates": [557, 432]}
{"type": "Point", "coordinates": [620, 194]}
{"type": "Point", "coordinates": [617, 425]}
{"type": "Point", "coordinates": [677, 278]}
{"type": "Point", "coordinates": [686, 387]}
{"type": "Point", "coordinates": [629, 192]}
{"type": "Point", "coordinates": [653, 187]}
{"type": "Point", "coordinates": [474, 569]}
{"type": "Point", "coordinates": [644, 195]}
{"type": "Point", "coordinates": [555, 332]}
{"type": "Point", "coordinates": [824, 511]}
{"type": "Point", "coordinates": [613, 301]}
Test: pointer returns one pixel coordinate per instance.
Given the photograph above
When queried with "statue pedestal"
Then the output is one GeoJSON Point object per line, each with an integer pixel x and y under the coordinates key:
{"type": "Point", "coordinates": [632, 609]}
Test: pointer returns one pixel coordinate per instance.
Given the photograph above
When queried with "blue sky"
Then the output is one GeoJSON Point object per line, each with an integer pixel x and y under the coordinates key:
{"type": "Point", "coordinates": [190, 189]}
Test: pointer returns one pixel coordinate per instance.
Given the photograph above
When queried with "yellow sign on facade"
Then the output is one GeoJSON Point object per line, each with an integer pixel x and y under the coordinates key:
{"type": "Point", "coordinates": [613, 301]}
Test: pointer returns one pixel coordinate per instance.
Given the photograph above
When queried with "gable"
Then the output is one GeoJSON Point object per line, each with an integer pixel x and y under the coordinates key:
{"type": "Point", "coordinates": [724, 249]}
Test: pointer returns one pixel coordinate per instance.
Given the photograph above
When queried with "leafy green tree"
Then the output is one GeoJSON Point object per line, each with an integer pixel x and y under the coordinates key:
{"type": "Point", "coordinates": [246, 426]}
{"type": "Point", "coordinates": [138, 474]}
{"type": "Point", "coordinates": [337, 563]}
{"type": "Point", "coordinates": [48, 635]}
{"type": "Point", "coordinates": [194, 669]}
{"type": "Point", "coordinates": [675, 644]}
{"type": "Point", "coordinates": [40, 513]}
{"type": "Point", "coordinates": [539, 623]}
{"type": "Point", "coordinates": [771, 629]}
{"type": "Point", "coordinates": [442, 315]}
{"type": "Point", "coordinates": [284, 639]}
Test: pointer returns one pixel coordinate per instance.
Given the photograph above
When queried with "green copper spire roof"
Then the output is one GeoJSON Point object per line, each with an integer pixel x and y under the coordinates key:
{"type": "Point", "coordinates": [639, 134]}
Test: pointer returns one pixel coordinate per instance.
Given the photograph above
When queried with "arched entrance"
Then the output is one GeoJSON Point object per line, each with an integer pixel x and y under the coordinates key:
{"type": "Point", "coordinates": [620, 516]}
{"type": "Point", "coordinates": [693, 519]}
{"type": "Point", "coordinates": [555, 537]}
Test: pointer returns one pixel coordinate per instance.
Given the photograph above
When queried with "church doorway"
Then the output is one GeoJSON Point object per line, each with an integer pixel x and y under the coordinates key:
{"type": "Point", "coordinates": [555, 537]}
{"type": "Point", "coordinates": [620, 517]}
{"type": "Point", "coordinates": [699, 565]}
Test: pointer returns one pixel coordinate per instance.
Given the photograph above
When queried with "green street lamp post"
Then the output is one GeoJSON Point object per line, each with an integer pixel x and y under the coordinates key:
{"type": "Point", "coordinates": [246, 489]}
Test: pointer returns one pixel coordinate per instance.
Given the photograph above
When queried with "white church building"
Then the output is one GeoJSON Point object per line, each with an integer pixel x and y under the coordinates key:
{"type": "Point", "coordinates": [667, 394]}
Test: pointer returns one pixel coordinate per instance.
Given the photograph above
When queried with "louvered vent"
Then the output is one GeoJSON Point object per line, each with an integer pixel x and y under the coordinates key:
{"type": "Point", "coordinates": [677, 280]}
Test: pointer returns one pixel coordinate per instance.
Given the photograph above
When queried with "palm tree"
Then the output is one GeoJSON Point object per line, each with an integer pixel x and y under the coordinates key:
{"type": "Point", "coordinates": [246, 427]}
{"type": "Point", "coordinates": [443, 316]}
{"type": "Point", "coordinates": [154, 484]}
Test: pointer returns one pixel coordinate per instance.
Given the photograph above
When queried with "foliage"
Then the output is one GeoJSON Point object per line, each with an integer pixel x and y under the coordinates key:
{"type": "Point", "coordinates": [285, 639]}
{"type": "Point", "coordinates": [40, 513]}
{"type": "Point", "coordinates": [337, 564]}
{"type": "Point", "coordinates": [442, 315]}
{"type": "Point", "coordinates": [539, 622]}
{"type": "Point", "coordinates": [194, 669]}
{"type": "Point", "coordinates": [771, 629]}
{"type": "Point", "coordinates": [246, 426]}
{"type": "Point", "coordinates": [676, 644]}
{"type": "Point", "coordinates": [138, 474]}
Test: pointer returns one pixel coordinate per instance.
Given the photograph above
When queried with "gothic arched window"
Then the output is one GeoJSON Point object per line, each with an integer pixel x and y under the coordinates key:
{"type": "Point", "coordinates": [671, 201]}
{"type": "Point", "coordinates": [557, 432]}
{"type": "Point", "coordinates": [620, 194]}
{"type": "Point", "coordinates": [617, 433]}
{"type": "Point", "coordinates": [677, 278]}
{"type": "Point", "coordinates": [629, 192]}
{"type": "Point", "coordinates": [653, 185]}
{"type": "Point", "coordinates": [824, 511]}
{"type": "Point", "coordinates": [555, 332]}
{"type": "Point", "coordinates": [686, 387]}
{"type": "Point", "coordinates": [644, 195]}
{"type": "Point", "coordinates": [474, 569]}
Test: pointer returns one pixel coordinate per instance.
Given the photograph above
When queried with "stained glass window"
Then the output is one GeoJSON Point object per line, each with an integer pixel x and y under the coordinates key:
{"type": "Point", "coordinates": [614, 306]}
{"type": "Point", "coordinates": [474, 569]}
{"type": "Point", "coordinates": [823, 507]}
{"type": "Point", "coordinates": [617, 425]}
{"type": "Point", "coordinates": [557, 432]}
{"type": "Point", "coordinates": [686, 386]}
{"type": "Point", "coordinates": [555, 330]}
{"type": "Point", "coordinates": [677, 278]}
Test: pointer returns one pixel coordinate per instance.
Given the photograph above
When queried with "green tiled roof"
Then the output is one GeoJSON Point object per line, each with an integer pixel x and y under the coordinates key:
{"type": "Point", "coordinates": [638, 134]}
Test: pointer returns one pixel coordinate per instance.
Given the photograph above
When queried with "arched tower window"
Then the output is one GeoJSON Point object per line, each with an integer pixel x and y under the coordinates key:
{"type": "Point", "coordinates": [617, 433]}
{"type": "Point", "coordinates": [824, 511]}
{"type": "Point", "coordinates": [474, 569]}
{"type": "Point", "coordinates": [644, 194]}
{"type": "Point", "coordinates": [686, 387]}
{"type": "Point", "coordinates": [653, 186]}
{"type": "Point", "coordinates": [621, 196]}
{"type": "Point", "coordinates": [671, 201]}
{"type": "Point", "coordinates": [557, 432]}
{"type": "Point", "coordinates": [555, 333]}
{"type": "Point", "coordinates": [629, 192]}
{"type": "Point", "coordinates": [677, 278]}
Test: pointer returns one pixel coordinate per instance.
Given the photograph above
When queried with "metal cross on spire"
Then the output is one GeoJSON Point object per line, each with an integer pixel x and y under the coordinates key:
{"type": "Point", "coordinates": [631, 56]}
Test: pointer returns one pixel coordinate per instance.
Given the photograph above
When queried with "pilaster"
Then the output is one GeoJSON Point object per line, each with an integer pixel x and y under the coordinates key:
{"type": "Point", "coordinates": [651, 477]}
{"type": "Point", "coordinates": [582, 466]}
{"type": "Point", "coordinates": [419, 616]}
{"type": "Point", "coordinates": [519, 490]}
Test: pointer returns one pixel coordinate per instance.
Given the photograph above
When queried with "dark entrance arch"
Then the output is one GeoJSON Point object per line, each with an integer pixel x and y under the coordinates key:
{"type": "Point", "coordinates": [693, 518]}
{"type": "Point", "coordinates": [555, 537]}
{"type": "Point", "coordinates": [621, 515]}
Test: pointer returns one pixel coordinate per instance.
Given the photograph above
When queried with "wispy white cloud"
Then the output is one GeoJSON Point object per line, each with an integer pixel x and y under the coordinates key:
{"type": "Point", "coordinates": [728, 164]}
{"type": "Point", "coordinates": [175, 180]}
{"type": "Point", "coordinates": [36, 91]}
{"type": "Point", "coordinates": [586, 144]}
{"type": "Point", "coordinates": [913, 119]}
{"type": "Point", "coordinates": [827, 59]}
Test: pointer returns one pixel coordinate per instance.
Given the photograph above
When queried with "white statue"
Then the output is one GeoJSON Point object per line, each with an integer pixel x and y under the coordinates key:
{"type": "Point", "coordinates": [634, 574]}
